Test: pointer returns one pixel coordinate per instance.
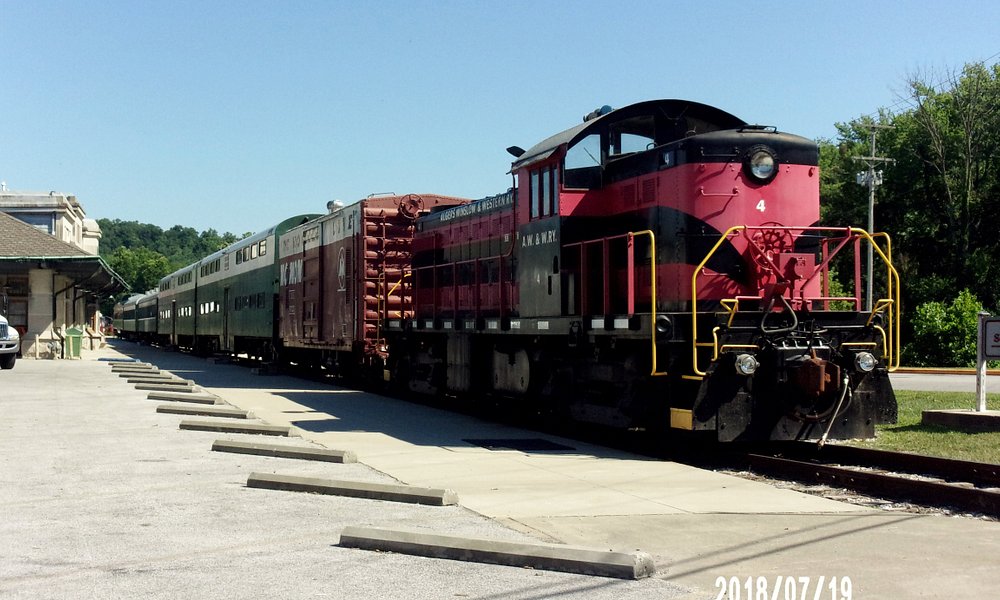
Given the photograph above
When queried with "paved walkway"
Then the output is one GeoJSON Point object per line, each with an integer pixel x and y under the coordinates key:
{"type": "Point", "coordinates": [103, 497]}
{"type": "Point", "coordinates": [701, 526]}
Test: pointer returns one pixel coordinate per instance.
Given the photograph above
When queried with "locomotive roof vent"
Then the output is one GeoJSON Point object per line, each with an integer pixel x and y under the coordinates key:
{"type": "Point", "coordinates": [765, 128]}
{"type": "Point", "coordinates": [334, 205]}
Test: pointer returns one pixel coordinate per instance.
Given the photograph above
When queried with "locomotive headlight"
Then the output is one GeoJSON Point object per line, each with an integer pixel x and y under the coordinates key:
{"type": "Point", "coordinates": [864, 362]}
{"type": "Point", "coordinates": [663, 325]}
{"type": "Point", "coordinates": [746, 364]}
{"type": "Point", "coordinates": [761, 165]}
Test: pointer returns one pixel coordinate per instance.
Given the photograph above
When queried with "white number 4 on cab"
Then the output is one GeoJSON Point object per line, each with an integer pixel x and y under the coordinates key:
{"type": "Point", "coordinates": [760, 205]}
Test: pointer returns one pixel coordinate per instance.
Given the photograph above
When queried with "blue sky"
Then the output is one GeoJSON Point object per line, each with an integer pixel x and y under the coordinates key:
{"type": "Point", "coordinates": [235, 115]}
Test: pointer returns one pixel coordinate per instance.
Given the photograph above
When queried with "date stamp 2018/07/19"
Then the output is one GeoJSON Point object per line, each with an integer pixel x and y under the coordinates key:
{"type": "Point", "coordinates": [784, 588]}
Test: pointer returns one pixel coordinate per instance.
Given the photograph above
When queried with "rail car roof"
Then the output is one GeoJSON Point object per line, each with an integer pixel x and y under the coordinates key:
{"type": "Point", "coordinates": [680, 114]}
{"type": "Point", "coordinates": [279, 228]}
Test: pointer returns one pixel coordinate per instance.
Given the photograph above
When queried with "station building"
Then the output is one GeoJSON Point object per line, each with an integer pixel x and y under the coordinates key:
{"type": "Point", "coordinates": [51, 275]}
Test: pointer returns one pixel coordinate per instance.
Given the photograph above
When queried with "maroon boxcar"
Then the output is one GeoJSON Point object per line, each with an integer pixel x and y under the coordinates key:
{"type": "Point", "coordinates": [342, 275]}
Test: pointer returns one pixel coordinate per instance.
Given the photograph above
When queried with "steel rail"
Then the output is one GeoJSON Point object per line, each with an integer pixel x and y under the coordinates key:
{"type": "Point", "coordinates": [981, 475]}
{"type": "Point", "coordinates": [896, 487]}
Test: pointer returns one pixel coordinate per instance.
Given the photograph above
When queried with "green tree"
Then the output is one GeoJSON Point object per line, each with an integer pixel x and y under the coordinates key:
{"type": "Point", "coordinates": [939, 199]}
{"type": "Point", "coordinates": [141, 268]}
{"type": "Point", "coordinates": [944, 334]}
{"type": "Point", "coordinates": [180, 245]}
{"type": "Point", "coordinates": [946, 181]}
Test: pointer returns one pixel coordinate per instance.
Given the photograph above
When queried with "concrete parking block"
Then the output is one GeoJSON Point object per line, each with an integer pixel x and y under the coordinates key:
{"type": "Point", "coordinates": [138, 372]}
{"type": "Point", "coordinates": [180, 386]}
{"type": "Point", "coordinates": [185, 397]}
{"type": "Point", "coordinates": [164, 378]}
{"type": "Point", "coordinates": [204, 411]}
{"type": "Point", "coordinates": [354, 489]}
{"type": "Point", "coordinates": [281, 451]}
{"type": "Point", "coordinates": [224, 427]}
{"type": "Point", "coordinates": [137, 367]}
{"type": "Point", "coordinates": [551, 557]}
{"type": "Point", "coordinates": [158, 379]}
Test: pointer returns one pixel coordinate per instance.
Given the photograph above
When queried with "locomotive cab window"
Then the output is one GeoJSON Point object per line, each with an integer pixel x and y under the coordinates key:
{"type": "Point", "coordinates": [544, 192]}
{"type": "Point", "coordinates": [583, 163]}
{"type": "Point", "coordinates": [631, 136]}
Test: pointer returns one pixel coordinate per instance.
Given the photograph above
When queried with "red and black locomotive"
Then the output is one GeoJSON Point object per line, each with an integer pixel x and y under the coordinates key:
{"type": "Point", "coordinates": [659, 266]}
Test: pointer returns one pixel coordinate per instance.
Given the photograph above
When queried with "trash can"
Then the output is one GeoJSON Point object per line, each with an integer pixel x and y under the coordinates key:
{"type": "Point", "coordinates": [74, 342]}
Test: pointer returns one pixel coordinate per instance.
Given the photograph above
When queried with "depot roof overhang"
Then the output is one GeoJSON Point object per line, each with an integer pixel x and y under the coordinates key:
{"type": "Point", "coordinates": [88, 273]}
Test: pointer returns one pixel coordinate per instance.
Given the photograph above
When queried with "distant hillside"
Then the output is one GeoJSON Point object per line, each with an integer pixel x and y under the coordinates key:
{"type": "Point", "coordinates": [180, 245]}
{"type": "Point", "coordinates": [142, 253]}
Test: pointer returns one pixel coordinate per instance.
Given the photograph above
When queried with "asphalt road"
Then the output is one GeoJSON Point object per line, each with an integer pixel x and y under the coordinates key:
{"type": "Point", "coordinates": [942, 382]}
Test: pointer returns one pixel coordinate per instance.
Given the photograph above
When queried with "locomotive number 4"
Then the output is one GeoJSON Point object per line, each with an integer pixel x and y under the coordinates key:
{"type": "Point", "coordinates": [760, 205]}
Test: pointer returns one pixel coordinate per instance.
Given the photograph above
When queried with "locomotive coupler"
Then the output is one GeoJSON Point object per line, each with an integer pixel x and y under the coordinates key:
{"type": "Point", "coordinates": [814, 375]}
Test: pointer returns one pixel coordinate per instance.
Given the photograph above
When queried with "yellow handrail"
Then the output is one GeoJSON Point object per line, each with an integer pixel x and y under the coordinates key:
{"type": "Point", "coordinates": [890, 306]}
{"type": "Point", "coordinates": [694, 298]}
{"type": "Point", "coordinates": [652, 295]}
{"type": "Point", "coordinates": [893, 288]}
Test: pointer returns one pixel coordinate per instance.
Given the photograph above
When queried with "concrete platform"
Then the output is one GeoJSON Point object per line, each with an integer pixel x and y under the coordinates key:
{"type": "Point", "coordinates": [697, 525]}
{"type": "Point", "coordinates": [100, 500]}
{"type": "Point", "coordinates": [553, 557]}
{"type": "Point", "coordinates": [963, 420]}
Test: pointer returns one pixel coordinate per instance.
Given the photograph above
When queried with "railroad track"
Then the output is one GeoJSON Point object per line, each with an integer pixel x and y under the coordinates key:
{"type": "Point", "coordinates": [924, 480]}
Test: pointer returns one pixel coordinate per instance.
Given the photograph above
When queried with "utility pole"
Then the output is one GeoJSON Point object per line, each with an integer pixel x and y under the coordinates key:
{"type": "Point", "coordinates": [871, 178]}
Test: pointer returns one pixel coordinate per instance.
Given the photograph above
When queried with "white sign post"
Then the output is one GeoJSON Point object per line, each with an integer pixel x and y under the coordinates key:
{"type": "Point", "coordinates": [988, 347]}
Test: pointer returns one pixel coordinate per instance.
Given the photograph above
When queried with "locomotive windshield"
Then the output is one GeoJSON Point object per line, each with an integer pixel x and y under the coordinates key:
{"type": "Point", "coordinates": [631, 135]}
